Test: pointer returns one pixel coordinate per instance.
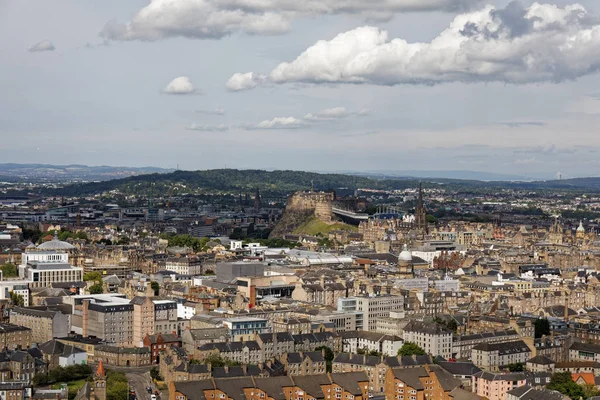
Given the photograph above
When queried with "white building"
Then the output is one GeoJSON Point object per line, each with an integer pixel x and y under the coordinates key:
{"type": "Point", "coordinates": [185, 311]}
{"type": "Point", "coordinates": [431, 337]}
{"type": "Point", "coordinates": [493, 356]}
{"type": "Point", "coordinates": [72, 356]}
{"type": "Point", "coordinates": [387, 345]}
{"type": "Point", "coordinates": [372, 308]}
{"type": "Point", "coordinates": [48, 263]}
{"type": "Point", "coordinates": [184, 265]}
{"type": "Point", "coordinates": [20, 288]}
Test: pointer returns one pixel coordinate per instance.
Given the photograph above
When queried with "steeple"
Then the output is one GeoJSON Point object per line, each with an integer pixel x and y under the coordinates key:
{"type": "Point", "coordinates": [99, 383]}
{"type": "Point", "coordinates": [100, 369]}
{"type": "Point", "coordinates": [420, 216]}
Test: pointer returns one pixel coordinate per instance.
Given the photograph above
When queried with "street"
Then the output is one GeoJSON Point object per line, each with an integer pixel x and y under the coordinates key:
{"type": "Point", "coordinates": [139, 382]}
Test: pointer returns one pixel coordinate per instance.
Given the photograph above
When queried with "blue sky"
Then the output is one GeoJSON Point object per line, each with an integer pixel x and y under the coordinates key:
{"type": "Point", "coordinates": [336, 85]}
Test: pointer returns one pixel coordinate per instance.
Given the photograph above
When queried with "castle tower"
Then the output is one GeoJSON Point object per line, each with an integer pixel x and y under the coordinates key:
{"type": "Point", "coordinates": [100, 382]}
{"type": "Point", "coordinates": [420, 217]}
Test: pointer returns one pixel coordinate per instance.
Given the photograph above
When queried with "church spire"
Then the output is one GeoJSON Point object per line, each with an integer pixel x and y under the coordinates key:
{"type": "Point", "coordinates": [100, 369]}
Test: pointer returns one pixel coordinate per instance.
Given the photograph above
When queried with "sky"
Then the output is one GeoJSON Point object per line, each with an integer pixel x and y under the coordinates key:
{"type": "Point", "coordinates": [509, 87]}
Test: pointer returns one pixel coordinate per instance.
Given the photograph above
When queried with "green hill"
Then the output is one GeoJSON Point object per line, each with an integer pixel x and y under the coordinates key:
{"type": "Point", "coordinates": [231, 181]}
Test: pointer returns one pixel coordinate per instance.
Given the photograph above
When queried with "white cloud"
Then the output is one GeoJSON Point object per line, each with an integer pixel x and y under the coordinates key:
{"type": "Point", "coordinates": [207, 128]}
{"type": "Point", "coordinates": [310, 119]}
{"type": "Point", "coordinates": [197, 19]}
{"type": "Point", "coordinates": [542, 43]}
{"type": "Point", "coordinates": [244, 81]}
{"type": "Point", "coordinates": [215, 111]}
{"type": "Point", "coordinates": [180, 85]}
{"type": "Point", "coordinates": [213, 19]}
{"type": "Point", "coordinates": [278, 123]}
{"type": "Point", "coordinates": [44, 45]}
{"type": "Point", "coordinates": [328, 114]}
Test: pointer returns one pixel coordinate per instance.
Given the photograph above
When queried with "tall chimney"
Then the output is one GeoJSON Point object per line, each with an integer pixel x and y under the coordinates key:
{"type": "Point", "coordinates": [84, 322]}
{"type": "Point", "coordinates": [252, 296]}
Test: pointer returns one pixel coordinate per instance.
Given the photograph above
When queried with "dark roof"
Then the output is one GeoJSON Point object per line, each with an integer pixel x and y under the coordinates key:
{"type": "Point", "coordinates": [273, 386]}
{"type": "Point", "coordinates": [517, 346]}
{"type": "Point", "coordinates": [528, 393]}
{"type": "Point", "coordinates": [489, 376]}
{"type": "Point", "coordinates": [234, 388]}
{"type": "Point", "coordinates": [587, 347]}
{"type": "Point", "coordinates": [356, 359]}
{"type": "Point", "coordinates": [459, 368]}
{"type": "Point", "coordinates": [429, 328]}
{"type": "Point", "coordinates": [349, 381]}
{"type": "Point", "coordinates": [541, 360]}
{"type": "Point", "coordinates": [312, 384]}
{"type": "Point", "coordinates": [195, 389]}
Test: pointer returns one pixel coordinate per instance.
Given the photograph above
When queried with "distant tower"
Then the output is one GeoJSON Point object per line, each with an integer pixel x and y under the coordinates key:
{"type": "Point", "coordinates": [420, 217]}
{"type": "Point", "coordinates": [100, 382]}
{"type": "Point", "coordinates": [257, 202]}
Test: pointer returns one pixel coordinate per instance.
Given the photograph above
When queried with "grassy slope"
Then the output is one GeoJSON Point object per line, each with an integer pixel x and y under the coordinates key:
{"type": "Point", "coordinates": [314, 226]}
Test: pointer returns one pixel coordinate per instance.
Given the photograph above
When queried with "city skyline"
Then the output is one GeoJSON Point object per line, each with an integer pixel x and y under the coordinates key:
{"type": "Point", "coordinates": [397, 85]}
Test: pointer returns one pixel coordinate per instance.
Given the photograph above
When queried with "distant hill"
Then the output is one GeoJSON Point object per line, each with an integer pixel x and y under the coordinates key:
{"type": "Point", "coordinates": [286, 182]}
{"type": "Point", "coordinates": [233, 181]}
{"type": "Point", "coordinates": [70, 173]}
{"type": "Point", "coordinates": [449, 174]}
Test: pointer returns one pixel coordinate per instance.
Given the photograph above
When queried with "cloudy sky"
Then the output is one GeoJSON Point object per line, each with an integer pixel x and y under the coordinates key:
{"type": "Point", "coordinates": [323, 85]}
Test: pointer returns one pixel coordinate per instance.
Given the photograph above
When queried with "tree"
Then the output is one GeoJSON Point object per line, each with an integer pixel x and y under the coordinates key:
{"type": "Point", "coordinates": [97, 288]}
{"type": "Point", "coordinates": [563, 383]}
{"type": "Point", "coordinates": [155, 374]}
{"type": "Point", "coordinates": [409, 349]}
{"type": "Point", "coordinates": [9, 270]}
{"type": "Point", "coordinates": [116, 386]}
{"type": "Point", "coordinates": [453, 325]}
{"type": "Point", "coordinates": [216, 360]}
{"type": "Point", "coordinates": [17, 299]}
{"type": "Point", "coordinates": [92, 276]}
{"type": "Point", "coordinates": [328, 356]}
{"type": "Point", "coordinates": [516, 367]}
{"type": "Point", "coordinates": [237, 234]}
{"type": "Point", "coordinates": [542, 327]}
{"type": "Point", "coordinates": [66, 374]}
{"type": "Point", "coordinates": [156, 287]}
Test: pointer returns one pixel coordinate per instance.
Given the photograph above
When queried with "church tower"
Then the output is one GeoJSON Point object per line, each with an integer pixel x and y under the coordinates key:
{"type": "Point", "coordinates": [257, 201]}
{"type": "Point", "coordinates": [100, 383]}
{"type": "Point", "coordinates": [420, 217]}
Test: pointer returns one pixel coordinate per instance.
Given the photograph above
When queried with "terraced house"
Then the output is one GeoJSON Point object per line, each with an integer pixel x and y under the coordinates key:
{"type": "Point", "coordinates": [350, 386]}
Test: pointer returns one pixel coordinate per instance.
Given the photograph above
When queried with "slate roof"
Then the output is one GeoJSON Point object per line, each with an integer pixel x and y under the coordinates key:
{"type": "Point", "coordinates": [459, 368]}
{"type": "Point", "coordinates": [528, 393]}
{"type": "Point", "coordinates": [274, 386]}
{"type": "Point", "coordinates": [541, 360]}
{"type": "Point", "coordinates": [312, 384]}
{"type": "Point", "coordinates": [503, 348]}
{"type": "Point", "coordinates": [234, 388]}
{"type": "Point", "coordinates": [349, 381]}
